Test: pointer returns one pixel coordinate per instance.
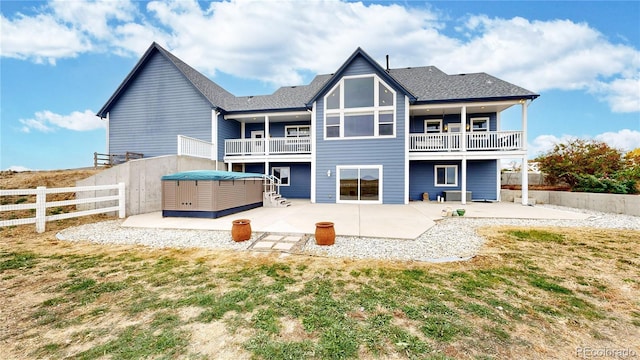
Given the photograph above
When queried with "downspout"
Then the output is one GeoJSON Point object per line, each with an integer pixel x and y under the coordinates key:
{"type": "Point", "coordinates": [214, 136]}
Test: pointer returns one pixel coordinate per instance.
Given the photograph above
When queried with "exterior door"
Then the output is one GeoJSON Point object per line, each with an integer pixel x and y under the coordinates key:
{"type": "Point", "coordinates": [359, 184]}
{"type": "Point", "coordinates": [454, 130]}
{"type": "Point", "coordinates": [257, 141]}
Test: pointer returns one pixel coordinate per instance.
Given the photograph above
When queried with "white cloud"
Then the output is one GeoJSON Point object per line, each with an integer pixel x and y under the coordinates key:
{"type": "Point", "coordinates": [624, 140]}
{"type": "Point", "coordinates": [279, 42]}
{"type": "Point", "coordinates": [47, 121]}
{"type": "Point", "coordinates": [40, 38]}
{"type": "Point", "coordinates": [556, 54]}
{"type": "Point", "coordinates": [92, 17]}
{"type": "Point", "coordinates": [544, 143]}
{"type": "Point", "coordinates": [18, 168]}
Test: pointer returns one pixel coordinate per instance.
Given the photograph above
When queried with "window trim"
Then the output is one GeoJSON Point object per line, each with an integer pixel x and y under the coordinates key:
{"type": "Point", "coordinates": [358, 167]}
{"type": "Point", "coordinates": [439, 121]}
{"type": "Point", "coordinates": [435, 175]}
{"type": "Point", "coordinates": [280, 169]}
{"type": "Point", "coordinates": [287, 127]}
{"type": "Point", "coordinates": [376, 109]}
{"type": "Point", "coordinates": [484, 119]}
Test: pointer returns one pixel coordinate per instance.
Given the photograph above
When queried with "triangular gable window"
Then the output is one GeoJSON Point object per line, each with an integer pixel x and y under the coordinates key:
{"type": "Point", "coordinates": [360, 107]}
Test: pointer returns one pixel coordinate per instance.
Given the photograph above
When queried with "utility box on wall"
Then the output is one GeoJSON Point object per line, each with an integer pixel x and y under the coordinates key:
{"type": "Point", "coordinates": [455, 195]}
{"type": "Point", "coordinates": [209, 193]}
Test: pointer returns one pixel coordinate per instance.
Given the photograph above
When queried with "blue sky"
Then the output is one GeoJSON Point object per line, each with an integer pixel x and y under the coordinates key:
{"type": "Point", "coordinates": [61, 60]}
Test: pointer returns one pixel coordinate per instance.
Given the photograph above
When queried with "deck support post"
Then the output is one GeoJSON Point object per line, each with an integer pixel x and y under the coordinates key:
{"type": "Point", "coordinates": [463, 176]}
{"type": "Point", "coordinates": [525, 181]}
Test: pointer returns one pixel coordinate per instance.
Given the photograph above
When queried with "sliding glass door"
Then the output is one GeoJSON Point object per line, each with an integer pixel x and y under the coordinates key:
{"type": "Point", "coordinates": [360, 184]}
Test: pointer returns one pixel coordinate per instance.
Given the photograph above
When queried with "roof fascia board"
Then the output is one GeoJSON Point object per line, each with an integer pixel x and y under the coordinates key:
{"type": "Point", "coordinates": [285, 112]}
{"type": "Point", "coordinates": [338, 75]}
{"type": "Point", "coordinates": [447, 105]}
{"type": "Point", "coordinates": [476, 101]}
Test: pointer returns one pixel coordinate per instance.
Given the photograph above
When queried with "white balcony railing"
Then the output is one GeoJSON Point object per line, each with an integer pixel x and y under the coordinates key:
{"type": "Point", "coordinates": [478, 141]}
{"type": "Point", "coordinates": [434, 142]}
{"type": "Point", "coordinates": [194, 147]}
{"type": "Point", "coordinates": [244, 147]}
{"type": "Point", "coordinates": [490, 140]}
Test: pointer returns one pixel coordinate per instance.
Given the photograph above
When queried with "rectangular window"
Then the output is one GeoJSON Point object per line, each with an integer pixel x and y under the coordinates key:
{"type": "Point", "coordinates": [360, 184]}
{"type": "Point", "coordinates": [358, 125]}
{"type": "Point", "coordinates": [433, 126]}
{"type": "Point", "coordinates": [282, 173]}
{"type": "Point", "coordinates": [446, 175]}
{"type": "Point", "coordinates": [358, 92]}
{"type": "Point", "coordinates": [480, 124]}
{"type": "Point", "coordinates": [385, 123]}
{"type": "Point", "coordinates": [333, 126]}
{"type": "Point", "coordinates": [292, 131]}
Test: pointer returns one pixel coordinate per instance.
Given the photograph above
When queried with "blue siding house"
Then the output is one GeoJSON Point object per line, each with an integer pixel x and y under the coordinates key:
{"type": "Point", "coordinates": [365, 134]}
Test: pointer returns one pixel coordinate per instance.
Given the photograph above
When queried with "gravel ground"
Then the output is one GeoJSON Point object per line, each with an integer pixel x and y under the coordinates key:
{"type": "Point", "coordinates": [450, 240]}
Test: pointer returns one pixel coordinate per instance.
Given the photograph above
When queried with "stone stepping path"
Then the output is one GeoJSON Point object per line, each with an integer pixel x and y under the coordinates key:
{"type": "Point", "coordinates": [279, 242]}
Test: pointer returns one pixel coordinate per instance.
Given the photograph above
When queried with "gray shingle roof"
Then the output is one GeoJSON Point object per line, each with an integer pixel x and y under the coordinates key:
{"type": "Point", "coordinates": [286, 97]}
{"type": "Point", "coordinates": [426, 84]}
{"type": "Point", "coordinates": [431, 84]}
{"type": "Point", "coordinates": [216, 94]}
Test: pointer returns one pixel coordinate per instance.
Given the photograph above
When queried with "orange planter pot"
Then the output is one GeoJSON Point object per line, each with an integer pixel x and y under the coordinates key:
{"type": "Point", "coordinates": [241, 230]}
{"type": "Point", "coordinates": [325, 233]}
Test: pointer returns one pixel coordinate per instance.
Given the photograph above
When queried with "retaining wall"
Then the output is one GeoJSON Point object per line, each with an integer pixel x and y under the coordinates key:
{"type": "Point", "coordinates": [515, 178]}
{"type": "Point", "coordinates": [612, 203]}
{"type": "Point", "coordinates": [142, 179]}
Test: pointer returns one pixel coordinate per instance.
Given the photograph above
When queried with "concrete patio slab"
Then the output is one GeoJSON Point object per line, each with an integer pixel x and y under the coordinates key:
{"type": "Point", "coordinates": [384, 221]}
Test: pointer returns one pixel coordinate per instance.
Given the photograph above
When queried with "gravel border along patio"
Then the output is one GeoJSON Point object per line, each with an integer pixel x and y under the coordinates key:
{"type": "Point", "coordinates": [450, 240]}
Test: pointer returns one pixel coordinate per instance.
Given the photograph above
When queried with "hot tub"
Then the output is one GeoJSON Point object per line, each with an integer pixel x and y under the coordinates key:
{"type": "Point", "coordinates": [210, 193]}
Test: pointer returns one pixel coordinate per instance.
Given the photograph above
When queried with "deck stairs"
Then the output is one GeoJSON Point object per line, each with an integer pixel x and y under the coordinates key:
{"type": "Point", "coordinates": [271, 195]}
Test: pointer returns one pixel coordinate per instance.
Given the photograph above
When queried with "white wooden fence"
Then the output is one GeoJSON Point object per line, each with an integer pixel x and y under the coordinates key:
{"type": "Point", "coordinates": [41, 204]}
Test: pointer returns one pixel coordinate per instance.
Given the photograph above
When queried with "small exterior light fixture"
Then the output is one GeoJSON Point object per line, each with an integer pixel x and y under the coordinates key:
{"type": "Point", "coordinates": [446, 127]}
{"type": "Point", "coordinates": [328, 173]}
{"type": "Point", "coordinates": [467, 127]}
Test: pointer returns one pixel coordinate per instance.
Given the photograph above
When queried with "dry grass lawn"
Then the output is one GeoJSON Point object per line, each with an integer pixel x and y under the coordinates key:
{"type": "Point", "coordinates": [532, 293]}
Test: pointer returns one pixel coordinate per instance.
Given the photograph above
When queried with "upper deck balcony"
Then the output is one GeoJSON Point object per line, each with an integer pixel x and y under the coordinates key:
{"type": "Point", "coordinates": [478, 141]}
{"type": "Point", "coordinates": [271, 146]}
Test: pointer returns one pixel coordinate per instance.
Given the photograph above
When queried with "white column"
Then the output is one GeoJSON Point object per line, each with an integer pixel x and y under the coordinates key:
{"type": "Point", "coordinates": [524, 124]}
{"type": "Point", "coordinates": [312, 134]}
{"type": "Point", "coordinates": [463, 128]}
{"type": "Point", "coordinates": [243, 144]}
{"type": "Point", "coordinates": [267, 137]}
{"type": "Point", "coordinates": [407, 120]}
{"type": "Point", "coordinates": [266, 168]}
{"type": "Point", "coordinates": [463, 187]}
{"type": "Point", "coordinates": [525, 181]}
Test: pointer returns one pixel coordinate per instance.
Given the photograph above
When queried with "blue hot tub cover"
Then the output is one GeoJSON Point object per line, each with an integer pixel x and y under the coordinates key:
{"type": "Point", "coordinates": [211, 175]}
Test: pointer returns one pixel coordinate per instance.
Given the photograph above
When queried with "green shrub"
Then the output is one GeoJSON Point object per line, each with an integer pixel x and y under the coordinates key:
{"type": "Point", "coordinates": [595, 184]}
